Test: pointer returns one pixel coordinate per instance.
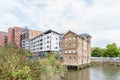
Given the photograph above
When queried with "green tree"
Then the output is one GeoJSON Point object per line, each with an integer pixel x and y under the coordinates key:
{"type": "Point", "coordinates": [98, 52]}
{"type": "Point", "coordinates": [112, 50]}
{"type": "Point", "coordinates": [119, 52]}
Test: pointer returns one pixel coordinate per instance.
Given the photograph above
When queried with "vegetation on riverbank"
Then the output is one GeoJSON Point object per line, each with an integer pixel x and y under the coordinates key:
{"type": "Point", "coordinates": [16, 65]}
{"type": "Point", "coordinates": [105, 63]}
{"type": "Point", "coordinates": [111, 50]}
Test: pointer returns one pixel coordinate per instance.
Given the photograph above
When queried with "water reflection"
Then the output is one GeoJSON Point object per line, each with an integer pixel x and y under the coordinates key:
{"type": "Point", "coordinates": [94, 73]}
{"type": "Point", "coordinates": [83, 74]}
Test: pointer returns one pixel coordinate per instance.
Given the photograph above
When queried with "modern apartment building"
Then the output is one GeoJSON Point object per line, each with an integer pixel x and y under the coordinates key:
{"type": "Point", "coordinates": [26, 37]}
{"type": "Point", "coordinates": [14, 36]}
{"type": "Point", "coordinates": [76, 49]}
{"type": "Point", "coordinates": [3, 38]}
{"type": "Point", "coordinates": [49, 41]}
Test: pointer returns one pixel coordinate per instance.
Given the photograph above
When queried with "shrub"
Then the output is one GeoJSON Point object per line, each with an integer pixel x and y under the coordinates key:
{"type": "Point", "coordinates": [16, 65]}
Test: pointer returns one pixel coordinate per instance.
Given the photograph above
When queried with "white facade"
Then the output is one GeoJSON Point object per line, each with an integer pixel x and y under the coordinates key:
{"type": "Point", "coordinates": [26, 44]}
{"type": "Point", "coordinates": [48, 41]}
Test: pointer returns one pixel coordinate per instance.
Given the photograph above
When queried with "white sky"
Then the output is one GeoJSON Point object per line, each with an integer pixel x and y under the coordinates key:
{"type": "Point", "coordinates": [100, 18]}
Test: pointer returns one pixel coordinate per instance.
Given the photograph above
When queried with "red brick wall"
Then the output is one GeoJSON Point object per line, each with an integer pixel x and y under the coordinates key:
{"type": "Point", "coordinates": [2, 39]}
{"type": "Point", "coordinates": [14, 35]}
{"type": "Point", "coordinates": [10, 35]}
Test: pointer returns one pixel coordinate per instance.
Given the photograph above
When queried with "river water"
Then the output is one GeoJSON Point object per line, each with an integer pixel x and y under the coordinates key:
{"type": "Point", "coordinates": [94, 73]}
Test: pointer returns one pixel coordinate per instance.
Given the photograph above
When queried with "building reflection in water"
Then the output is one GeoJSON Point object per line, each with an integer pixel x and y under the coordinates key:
{"type": "Point", "coordinates": [83, 74]}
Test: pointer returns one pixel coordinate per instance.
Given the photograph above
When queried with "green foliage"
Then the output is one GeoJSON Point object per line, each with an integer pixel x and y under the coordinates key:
{"type": "Point", "coordinates": [22, 74]}
{"type": "Point", "coordinates": [16, 65]}
{"type": "Point", "coordinates": [98, 52]}
{"type": "Point", "coordinates": [111, 50]}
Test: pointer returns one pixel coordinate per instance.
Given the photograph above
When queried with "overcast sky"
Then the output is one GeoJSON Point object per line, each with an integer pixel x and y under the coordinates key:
{"type": "Point", "coordinates": [100, 18]}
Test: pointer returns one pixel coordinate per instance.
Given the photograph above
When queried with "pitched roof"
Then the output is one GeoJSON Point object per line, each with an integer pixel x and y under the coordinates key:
{"type": "Point", "coordinates": [83, 36]}
{"type": "Point", "coordinates": [71, 32]}
{"type": "Point", "coordinates": [46, 32]}
{"type": "Point", "coordinates": [49, 31]}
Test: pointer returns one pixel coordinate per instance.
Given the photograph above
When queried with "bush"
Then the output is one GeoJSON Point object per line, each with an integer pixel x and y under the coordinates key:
{"type": "Point", "coordinates": [16, 65]}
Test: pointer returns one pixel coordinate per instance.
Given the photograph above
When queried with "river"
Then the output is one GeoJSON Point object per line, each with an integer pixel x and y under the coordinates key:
{"type": "Point", "coordinates": [94, 73]}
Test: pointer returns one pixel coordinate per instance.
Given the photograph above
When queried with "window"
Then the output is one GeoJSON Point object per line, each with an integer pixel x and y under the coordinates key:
{"type": "Point", "coordinates": [65, 58]}
{"type": "Point", "coordinates": [40, 43]}
{"type": "Point", "coordinates": [65, 38]}
{"type": "Point", "coordinates": [65, 45]}
{"type": "Point", "coordinates": [40, 47]}
{"type": "Point", "coordinates": [47, 46]}
{"type": "Point", "coordinates": [69, 38]}
{"type": "Point", "coordinates": [70, 57]}
{"type": "Point", "coordinates": [74, 57]}
{"type": "Point", "coordinates": [56, 47]}
{"type": "Point", "coordinates": [56, 38]}
{"type": "Point", "coordinates": [69, 44]}
{"type": "Point", "coordinates": [48, 37]}
{"type": "Point", "coordinates": [41, 40]}
{"type": "Point", "coordinates": [73, 44]}
{"type": "Point", "coordinates": [69, 51]}
{"type": "Point", "coordinates": [47, 41]}
{"type": "Point", "coordinates": [65, 51]}
{"type": "Point", "coordinates": [73, 38]}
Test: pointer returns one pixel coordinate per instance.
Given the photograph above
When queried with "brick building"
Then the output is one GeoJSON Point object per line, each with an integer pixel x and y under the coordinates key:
{"type": "Point", "coordinates": [76, 49]}
{"type": "Point", "coordinates": [3, 39]}
{"type": "Point", "coordinates": [14, 36]}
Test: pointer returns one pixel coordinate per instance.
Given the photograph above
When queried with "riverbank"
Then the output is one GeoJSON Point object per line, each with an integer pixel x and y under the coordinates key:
{"type": "Point", "coordinates": [105, 62]}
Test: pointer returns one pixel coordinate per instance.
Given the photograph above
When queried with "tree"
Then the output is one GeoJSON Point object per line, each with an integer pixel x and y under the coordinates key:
{"type": "Point", "coordinates": [98, 52]}
{"type": "Point", "coordinates": [112, 50]}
